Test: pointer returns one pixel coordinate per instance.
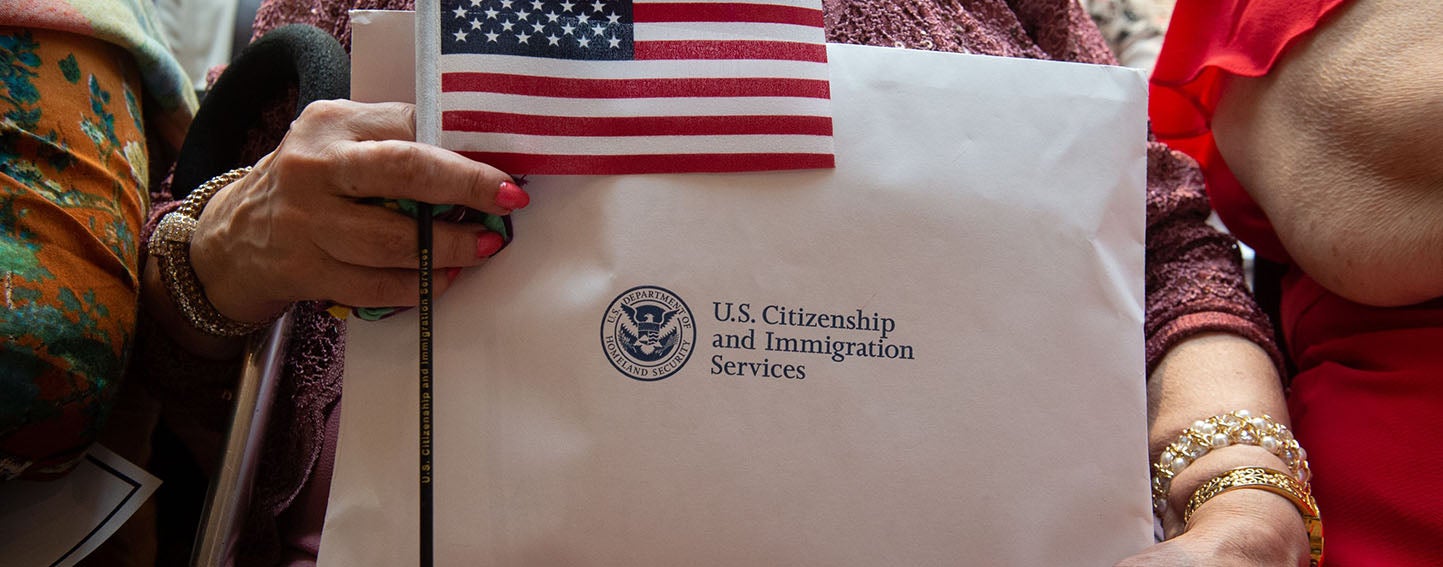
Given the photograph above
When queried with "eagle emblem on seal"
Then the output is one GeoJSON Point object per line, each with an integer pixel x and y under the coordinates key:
{"type": "Point", "coordinates": [648, 332]}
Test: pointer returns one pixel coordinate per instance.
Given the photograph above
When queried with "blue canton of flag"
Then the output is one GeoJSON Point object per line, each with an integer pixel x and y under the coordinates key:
{"type": "Point", "coordinates": [559, 29]}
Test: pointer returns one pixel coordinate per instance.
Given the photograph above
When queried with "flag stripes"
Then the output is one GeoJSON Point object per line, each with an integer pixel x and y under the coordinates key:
{"type": "Point", "coordinates": [746, 49]}
{"type": "Point", "coordinates": [632, 88]}
{"type": "Point", "coordinates": [624, 145]}
{"type": "Point", "coordinates": [561, 164]}
{"type": "Point", "coordinates": [725, 12]}
{"type": "Point", "coordinates": [636, 86]}
{"type": "Point", "coordinates": [511, 123]}
{"type": "Point", "coordinates": [695, 106]}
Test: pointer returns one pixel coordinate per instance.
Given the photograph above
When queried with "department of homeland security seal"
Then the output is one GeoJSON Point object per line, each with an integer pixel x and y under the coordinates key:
{"type": "Point", "coordinates": [648, 333]}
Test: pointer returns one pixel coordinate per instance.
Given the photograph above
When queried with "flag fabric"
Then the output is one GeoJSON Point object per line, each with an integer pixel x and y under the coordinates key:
{"type": "Point", "coordinates": [600, 87]}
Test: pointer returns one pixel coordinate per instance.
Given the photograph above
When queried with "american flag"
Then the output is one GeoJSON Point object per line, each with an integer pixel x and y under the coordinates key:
{"type": "Point", "coordinates": [602, 87]}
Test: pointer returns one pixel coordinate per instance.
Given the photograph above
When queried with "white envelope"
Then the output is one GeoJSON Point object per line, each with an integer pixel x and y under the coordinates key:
{"type": "Point", "coordinates": [983, 231]}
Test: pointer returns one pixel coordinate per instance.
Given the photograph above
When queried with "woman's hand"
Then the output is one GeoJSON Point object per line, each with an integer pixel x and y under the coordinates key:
{"type": "Point", "coordinates": [295, 229]}
{"type": "Point", "coordinates": [1241, 527]}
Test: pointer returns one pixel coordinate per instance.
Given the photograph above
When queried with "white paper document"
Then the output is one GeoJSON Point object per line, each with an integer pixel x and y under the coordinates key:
{"type": "Point", "coordinates": [931, 355]}
{"type": "Point", "coordinates": [57, 523]}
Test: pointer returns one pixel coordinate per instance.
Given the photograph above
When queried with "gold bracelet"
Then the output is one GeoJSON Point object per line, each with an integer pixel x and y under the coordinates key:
{"type": "Point", "coordinates": [1273, 481]}
{"type": "Point", "coordinates": [1237, 428]}
{"type": "Point", "coordinates": [171, 247]}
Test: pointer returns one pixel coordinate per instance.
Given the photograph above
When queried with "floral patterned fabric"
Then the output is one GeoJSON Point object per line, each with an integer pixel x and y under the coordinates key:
{"type": "Point", "coordinates": [73, 197]}
{"type": "Point", "coordinates": [132, 25]}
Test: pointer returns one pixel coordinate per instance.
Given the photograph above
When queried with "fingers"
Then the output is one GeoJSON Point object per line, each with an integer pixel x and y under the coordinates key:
{"type": "Point", "coordinates": [382, 121]}
{"type": "Point", "coordinates": [293, 230]}
{"type": "Point", "coordinates": [407, 170]}
{"type": "Point", "coordinates": [337, 120]}
{"type": "Point", "coordinates": [372, 287]}
{"type": "Point", "coordinates": [372, 153]}
{"type": "Point", "coordinates": [376, 237]}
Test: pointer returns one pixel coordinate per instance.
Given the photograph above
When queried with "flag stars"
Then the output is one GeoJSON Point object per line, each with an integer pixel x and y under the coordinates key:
{"type": "Point", "coordinates": [542, 28]}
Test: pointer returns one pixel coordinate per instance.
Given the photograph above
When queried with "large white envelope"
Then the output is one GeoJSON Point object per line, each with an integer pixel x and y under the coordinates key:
{"type": "Point", "coordinates": [983, 233]}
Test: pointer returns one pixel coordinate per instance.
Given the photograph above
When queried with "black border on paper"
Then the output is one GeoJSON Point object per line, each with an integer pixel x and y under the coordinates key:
{"type": "Point", "coordinates": [134, 488]}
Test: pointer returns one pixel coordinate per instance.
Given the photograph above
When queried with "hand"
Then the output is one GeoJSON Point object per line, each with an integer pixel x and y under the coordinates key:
{"type": "Point", "coordinates": [294, 229]}
{"type": "Point", "coordinates": [1243, 527]}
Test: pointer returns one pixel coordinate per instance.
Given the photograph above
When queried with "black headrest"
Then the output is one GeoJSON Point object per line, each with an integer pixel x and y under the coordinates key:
{"type": "Point", "coordinates": [295, 55]}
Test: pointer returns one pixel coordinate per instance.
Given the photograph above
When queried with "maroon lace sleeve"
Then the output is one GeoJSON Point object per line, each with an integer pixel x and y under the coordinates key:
{"type": "Point", "coordinates": [1194, 272]}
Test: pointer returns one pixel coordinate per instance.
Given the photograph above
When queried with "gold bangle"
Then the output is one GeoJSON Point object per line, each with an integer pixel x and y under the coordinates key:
{"type": "Point", "coordinates": [1237, 428]}
{"type": "Point", "coordinates": [1273, 481]}
{"type": "Point", "coordinates": [171, 247]}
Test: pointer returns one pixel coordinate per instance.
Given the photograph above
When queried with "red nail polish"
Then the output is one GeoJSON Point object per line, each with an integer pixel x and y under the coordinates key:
{"type": "Point", "coordinates": [511, 197]}
{"type": "Point", "coordinates": [488, 243]}
{"type": "Point", "coordinates": [451, 274]}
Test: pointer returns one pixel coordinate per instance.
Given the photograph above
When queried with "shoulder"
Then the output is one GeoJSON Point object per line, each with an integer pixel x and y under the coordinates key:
{"type": "Point", "coordinates": [1336, 144]}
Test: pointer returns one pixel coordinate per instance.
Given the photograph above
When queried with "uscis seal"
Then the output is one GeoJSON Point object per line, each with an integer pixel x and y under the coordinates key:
{"type": "Point", "coordinates": [648, 333]}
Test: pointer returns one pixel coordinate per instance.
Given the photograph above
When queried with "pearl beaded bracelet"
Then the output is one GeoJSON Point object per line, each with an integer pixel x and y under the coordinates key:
{"type": "Point", "coordinates": [1237, 428]}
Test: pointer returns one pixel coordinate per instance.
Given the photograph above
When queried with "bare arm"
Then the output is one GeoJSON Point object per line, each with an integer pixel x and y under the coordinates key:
{"type": "Point", "coordinates": [1203, 376]}
{"type": "Point", "coordinates": [1340, 145]}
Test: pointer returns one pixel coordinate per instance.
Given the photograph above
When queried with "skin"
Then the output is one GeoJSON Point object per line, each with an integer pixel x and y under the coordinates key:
{"type": "Point", "coordinates": [293, 228]}
{"type": "Point", "coordinates": [1340, 147]}
{"type": "Point", "coordinates": [1207, 375]}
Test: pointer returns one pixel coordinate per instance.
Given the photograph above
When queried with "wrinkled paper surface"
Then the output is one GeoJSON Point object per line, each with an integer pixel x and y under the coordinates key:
{"type": "Point", "coordinates": [986, 213]}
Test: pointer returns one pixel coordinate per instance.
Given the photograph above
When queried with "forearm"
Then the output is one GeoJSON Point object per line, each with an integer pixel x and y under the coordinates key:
{"type": "Point", "coordinates": [1204, 376]}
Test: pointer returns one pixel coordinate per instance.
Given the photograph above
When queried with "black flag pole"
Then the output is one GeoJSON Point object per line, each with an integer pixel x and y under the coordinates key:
{"type": "Point", "coordinates": [428, 131]}
{"type": "Point", "coordinates": [423, 234]}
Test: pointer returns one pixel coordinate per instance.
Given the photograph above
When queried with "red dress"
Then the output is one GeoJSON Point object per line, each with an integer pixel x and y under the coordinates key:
{"type": "Point", "coordinates": [1369, 386]}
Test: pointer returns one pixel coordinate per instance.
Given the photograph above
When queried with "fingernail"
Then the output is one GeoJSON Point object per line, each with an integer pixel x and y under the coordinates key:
{"type": "Point", "coordinates": [451, 274]}
{"type": "Point", "coordinates": [511, 197]}
{"type": "Point", "coordinates": [488, 243]}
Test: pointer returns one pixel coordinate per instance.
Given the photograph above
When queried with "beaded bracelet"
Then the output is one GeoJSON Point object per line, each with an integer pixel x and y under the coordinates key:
{"type": "Point", "coordinates": [171, 247]}
{"type": "Point", "coordinates": [1237, 428]}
